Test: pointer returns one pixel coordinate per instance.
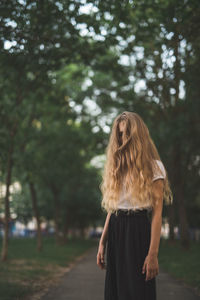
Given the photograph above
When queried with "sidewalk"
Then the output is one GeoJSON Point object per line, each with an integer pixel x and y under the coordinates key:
{"type": "Point", "coordinates": [86, 282]}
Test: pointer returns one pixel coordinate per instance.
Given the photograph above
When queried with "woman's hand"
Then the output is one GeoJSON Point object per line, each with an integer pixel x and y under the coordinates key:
{"type": "Point", "coordinates": [150, 266]}
{"type": "Point", "coordinates": [100, 256]}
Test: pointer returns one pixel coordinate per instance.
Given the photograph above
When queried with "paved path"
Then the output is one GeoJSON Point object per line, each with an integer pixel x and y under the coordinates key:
{"type": "Point", "coordinates": [86, 282]}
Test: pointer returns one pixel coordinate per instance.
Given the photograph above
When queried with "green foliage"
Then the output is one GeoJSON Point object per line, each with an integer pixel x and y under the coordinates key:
{"type": "Point", "coordinates": [140, 56]}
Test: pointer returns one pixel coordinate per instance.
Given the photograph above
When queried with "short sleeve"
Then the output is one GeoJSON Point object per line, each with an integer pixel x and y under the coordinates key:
{"type": "Point", "coordinates": [160, 172]}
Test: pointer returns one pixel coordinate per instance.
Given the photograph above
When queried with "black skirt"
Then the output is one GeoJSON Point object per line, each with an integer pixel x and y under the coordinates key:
{"type": "Point", "coordinates": [128, 243]}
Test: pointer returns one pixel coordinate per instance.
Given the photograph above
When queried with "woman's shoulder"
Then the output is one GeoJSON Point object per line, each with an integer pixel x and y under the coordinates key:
{"type": "Point", "coordinates": [159, 163]}
{"type": "Point", "coordinates": [159, 172]}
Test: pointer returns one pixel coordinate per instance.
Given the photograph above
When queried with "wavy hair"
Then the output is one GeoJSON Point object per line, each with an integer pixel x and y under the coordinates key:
{"type": "Point", "coordinates": [130, 162]}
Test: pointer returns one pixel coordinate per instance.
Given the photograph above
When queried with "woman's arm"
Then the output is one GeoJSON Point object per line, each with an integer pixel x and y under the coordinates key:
{"type": "Point", "coordinates": [104, 234]}
{"type": "Point", "coordinates": [156, 222]}
{"type": "Point", "coordinates": [102, 244]}
{"type": "Point", "coordinates": [151, 262]}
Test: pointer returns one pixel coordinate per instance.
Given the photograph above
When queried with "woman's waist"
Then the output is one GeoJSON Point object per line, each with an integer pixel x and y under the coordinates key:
{"type": "Point", "coordinates": [132, 212]}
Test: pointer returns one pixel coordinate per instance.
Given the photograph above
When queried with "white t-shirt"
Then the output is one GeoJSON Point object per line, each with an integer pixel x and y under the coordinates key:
{"type": "Point", "coordinates": [123, 198]}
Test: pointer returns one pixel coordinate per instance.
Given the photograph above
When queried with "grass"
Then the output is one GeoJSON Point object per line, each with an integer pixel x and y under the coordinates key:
{"type": "Point", "coordinates": [180, 263]}
{"type": "Point", "coordinates": [26, 271]}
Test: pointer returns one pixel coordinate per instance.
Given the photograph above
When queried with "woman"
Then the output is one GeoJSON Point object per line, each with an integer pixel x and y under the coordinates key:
{"type": "Point", "coordinates": [134, 184]}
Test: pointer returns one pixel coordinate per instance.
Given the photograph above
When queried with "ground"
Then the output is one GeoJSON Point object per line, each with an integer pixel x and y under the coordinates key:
{"type": "Point", "coordinates": [85, 281]}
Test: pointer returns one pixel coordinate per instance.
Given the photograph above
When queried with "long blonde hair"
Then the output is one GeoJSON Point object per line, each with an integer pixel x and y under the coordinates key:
{"type": "Point", "coordinates": [130, 162]}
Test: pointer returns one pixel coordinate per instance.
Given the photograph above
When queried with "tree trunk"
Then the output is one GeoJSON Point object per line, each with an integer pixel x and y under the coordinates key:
{"type": "Point", "coordinates": [171, 223]}
{"type": "Point", "coordinates": [56, 214]}
{"type": "Point", "coordinates": [183, 223]}
{"type": "Point", "coordinates": [13, 131]}
{"type": "Point", "coordinates": [4, 253]}
{"type": "Point", "coordinates": [82, 232]}
{"type": "Point", "coordinates": [66, 227]}
{"type": "Point", "coordinates": [178, 174]}
{"type": "Point", "coordinates": [37, 215]}
{"type": "Point", "coordinates": [179, 196]}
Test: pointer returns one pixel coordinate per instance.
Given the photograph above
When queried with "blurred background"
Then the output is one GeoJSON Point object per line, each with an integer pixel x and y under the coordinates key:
{"type": "Point", "coordinates": [67, 69]}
